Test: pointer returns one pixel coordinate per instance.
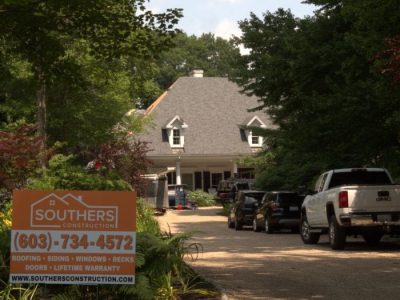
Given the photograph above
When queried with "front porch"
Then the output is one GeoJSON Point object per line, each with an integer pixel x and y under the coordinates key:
{"type": "Point", "coordinates": [203, 172]}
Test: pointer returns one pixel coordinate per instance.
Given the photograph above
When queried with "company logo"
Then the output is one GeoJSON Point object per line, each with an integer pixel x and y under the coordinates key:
{"type": "Point", "coordinates": [71, 212]}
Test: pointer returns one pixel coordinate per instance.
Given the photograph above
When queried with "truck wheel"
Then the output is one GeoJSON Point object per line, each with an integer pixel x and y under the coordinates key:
{"type": "Point", "coordinates": [307, 236]}
{"type": "Point", "coordinates": [230, 223]}
{"type": "Point", "coordinates": [256, 228]}
{"type": "Point", "coordinates": [238, 225]}
{"type": "Point", "coordinates": [268, 227]}
{"type": "Point", "coordinates": [337, 234]}
{"type": "Point", "coordinates": [372, 238]}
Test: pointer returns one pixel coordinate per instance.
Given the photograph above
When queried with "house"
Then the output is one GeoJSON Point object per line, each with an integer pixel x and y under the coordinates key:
{"type": "Point", "coordinates": [198, 136]}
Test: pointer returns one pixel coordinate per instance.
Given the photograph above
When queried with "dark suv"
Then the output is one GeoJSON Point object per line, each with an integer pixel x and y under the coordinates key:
{"type": "Point", "coordinates": [278, 210]}
{"type": "Point", "coordinates": [227, 189]}
{"type": "Point", "coordinates": [243, 209]}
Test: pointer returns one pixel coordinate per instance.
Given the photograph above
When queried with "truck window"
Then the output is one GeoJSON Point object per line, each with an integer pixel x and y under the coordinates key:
{"type": "Point", "coordinates": [359, 178]}
{"type": "Point", "coordinates": [321, 187]}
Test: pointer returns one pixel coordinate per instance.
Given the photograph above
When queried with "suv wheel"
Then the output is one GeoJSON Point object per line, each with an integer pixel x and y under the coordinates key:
{"type": "Point", "coordinates": [256, 228]}
{"type": "Point", "coordinates": [307, 236]}
{"type": "Point", "coordinates": [238, 225]}
{"type": "Point", "coordinates": [268, 226]}
{"type": "Point", "coordinates": [337, 234]}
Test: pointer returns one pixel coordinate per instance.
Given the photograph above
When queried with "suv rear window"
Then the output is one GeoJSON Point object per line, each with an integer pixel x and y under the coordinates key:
{"type": "Point", "coordinates": [290, 199]}
{"type": "Point", "coordinates": [253, 197]}
{"type": "Point", "coordinates": [359, 178]}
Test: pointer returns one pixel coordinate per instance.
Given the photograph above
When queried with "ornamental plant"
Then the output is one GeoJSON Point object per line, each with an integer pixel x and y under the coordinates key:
{"type": "Point", "coordinates": [5, 237]}
{"type": "Point", "coordinates": [20, 150]}
{"type": "Point", "coordinates": [201, 198]}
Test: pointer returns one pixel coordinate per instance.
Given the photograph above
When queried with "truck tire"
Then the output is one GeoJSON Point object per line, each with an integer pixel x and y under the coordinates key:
{"type": "Point", "coordinates": [307, 236]}
{"type": "Point", "coordinates": [256, 228]}
{"type": "Point", "coordinates": [238, 225]}
{"type": "Point", "coordinates": [372, 238]}
{"type": "Point", "coordinates": [337, 234]}
{"type": "Point", "coordinates": [268, 227]}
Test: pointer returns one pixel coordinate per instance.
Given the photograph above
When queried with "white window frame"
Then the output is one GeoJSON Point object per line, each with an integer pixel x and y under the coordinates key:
{"type": "Point", "coordinates": [181, 138]}
{"type": "Point", "coordinates": [250, 133]}
{"type": "Point", "coordinates": [251, 143]}
{"type": "Point", "coordinates": [176, 124]}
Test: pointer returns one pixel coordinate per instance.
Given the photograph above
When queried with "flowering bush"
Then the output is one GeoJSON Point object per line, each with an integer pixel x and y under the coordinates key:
{"type": "Point", "coordinates": [5, 236]}
{"type": "Point", "coordinates": [5, 217]}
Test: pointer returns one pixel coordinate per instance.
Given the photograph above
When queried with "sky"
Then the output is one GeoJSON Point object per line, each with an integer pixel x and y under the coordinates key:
{"type": "Point", "coordinates": [221, 16]}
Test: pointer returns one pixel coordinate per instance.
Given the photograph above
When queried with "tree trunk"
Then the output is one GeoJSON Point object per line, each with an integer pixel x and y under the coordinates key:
{"type": "Point", "coordinates": [41, 115]}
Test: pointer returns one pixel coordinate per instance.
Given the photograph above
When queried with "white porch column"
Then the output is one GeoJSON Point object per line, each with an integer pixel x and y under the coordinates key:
{"type": "Point", "coordinates": [178, 172]}
{"type": "Point", "coordinates": [234, 168]}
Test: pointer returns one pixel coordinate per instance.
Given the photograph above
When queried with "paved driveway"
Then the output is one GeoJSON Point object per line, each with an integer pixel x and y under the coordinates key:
{"type": "Point", "coordinates": [250, 265]}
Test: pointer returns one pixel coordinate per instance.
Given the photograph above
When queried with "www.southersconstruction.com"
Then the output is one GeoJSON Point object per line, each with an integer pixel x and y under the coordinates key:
{"type": "Point", "coordinates": [72, 279]}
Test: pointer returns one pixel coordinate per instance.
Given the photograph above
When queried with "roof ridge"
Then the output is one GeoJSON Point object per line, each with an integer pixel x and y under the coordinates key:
{"type": "Point", "coordinates": [158, 100]}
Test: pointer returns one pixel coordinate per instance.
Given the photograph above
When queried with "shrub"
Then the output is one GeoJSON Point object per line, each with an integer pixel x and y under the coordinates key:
{"type": "Point", "coordinates": [145, 221]}
{"type": "Point", "coordinates": [5, 238]}
{"type": "Point", "coordinates": [201, 198]}
{"type": "Point", "coordinates": [62, 174]}
{"type": "Point", "coordinates": [20, 150]}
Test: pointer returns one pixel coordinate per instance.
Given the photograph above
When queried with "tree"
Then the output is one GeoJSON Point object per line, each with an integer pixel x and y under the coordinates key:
{"type": "Point", "coordinates": [392, 56]}
{"type": "Point", "coordinates": [40, 32]}
{"type": "Point", "coordinates": [317, 80]}
{"type": "Point", "coordinates": [212, 54]}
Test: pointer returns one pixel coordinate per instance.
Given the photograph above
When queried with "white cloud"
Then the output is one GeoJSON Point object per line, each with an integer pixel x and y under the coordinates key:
{"type": "Point", "coordinates": [226, 28]}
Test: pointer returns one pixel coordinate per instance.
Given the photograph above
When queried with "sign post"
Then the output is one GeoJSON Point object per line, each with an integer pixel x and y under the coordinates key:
{"type": "Point", "coordinates": [73, 237]}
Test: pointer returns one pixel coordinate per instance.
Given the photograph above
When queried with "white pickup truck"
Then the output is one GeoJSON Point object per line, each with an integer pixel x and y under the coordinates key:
{"type": "Point", "coordinates": [351, 202]}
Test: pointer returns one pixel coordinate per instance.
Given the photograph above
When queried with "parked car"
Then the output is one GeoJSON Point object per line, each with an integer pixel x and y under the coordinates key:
{"type": "Point", "coordinates": [280, 209]}
{"type": "Point", "coordinates": [227, 189]}
{"type": "Point", "coordinates": [351, 202]}
{"type": "Point", "coordinates": [242, 210]}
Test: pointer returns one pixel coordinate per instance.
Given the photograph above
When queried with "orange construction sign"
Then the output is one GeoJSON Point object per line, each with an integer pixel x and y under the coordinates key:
{"type": "Point", "coordinates": [73, 237]}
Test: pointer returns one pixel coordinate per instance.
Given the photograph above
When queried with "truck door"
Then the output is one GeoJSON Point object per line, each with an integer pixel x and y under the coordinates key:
{"type": "Point", "coordinates": [315, 204]}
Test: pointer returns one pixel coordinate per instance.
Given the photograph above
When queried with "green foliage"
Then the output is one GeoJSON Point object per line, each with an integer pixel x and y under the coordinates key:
{"type": "Point", "coordinates": [5, 239]}
{"type": "Point", "coordinates": [212, 54]}
{"type": "Point", "coordinates": [63, 174]}
{"type": "Point", "coordinates": [145, 221]}
{"type": "Point", "coordinates": [321, 82]}
{"type": "Point", "coordinates": [201, 198]}
{"type": "Point", "coordinates": [71, 61]}
{"type": "Point", "coordinates": [14, 291]}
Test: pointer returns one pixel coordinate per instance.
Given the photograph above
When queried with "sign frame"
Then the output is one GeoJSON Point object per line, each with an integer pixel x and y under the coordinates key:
{"type": "Point", "coordinates": [73, 237]}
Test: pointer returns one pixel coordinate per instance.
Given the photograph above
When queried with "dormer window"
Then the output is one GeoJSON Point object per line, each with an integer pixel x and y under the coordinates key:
{"type": "Point", "coordinates": [177, 139]}
{"type": "Point", "coordinates": [175, 131]}
{"type": "Point", "coordinates": [254, 140]}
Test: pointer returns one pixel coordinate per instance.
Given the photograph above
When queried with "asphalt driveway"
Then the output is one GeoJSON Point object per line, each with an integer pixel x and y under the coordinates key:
{"type": "Point", "coordinates": [249, 265]}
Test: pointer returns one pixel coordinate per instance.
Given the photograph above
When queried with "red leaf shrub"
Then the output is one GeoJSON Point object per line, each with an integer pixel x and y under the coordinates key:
{"type": "Point", "coordinates": [19, 156]}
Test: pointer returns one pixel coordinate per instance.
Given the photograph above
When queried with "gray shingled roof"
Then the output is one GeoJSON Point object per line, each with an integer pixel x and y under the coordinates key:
{"type": "Point", "coordinates": [213, 108]}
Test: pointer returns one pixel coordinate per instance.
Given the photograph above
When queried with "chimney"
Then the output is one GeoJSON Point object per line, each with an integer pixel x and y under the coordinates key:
{"type": "Point", "coordinates": [198, 73]}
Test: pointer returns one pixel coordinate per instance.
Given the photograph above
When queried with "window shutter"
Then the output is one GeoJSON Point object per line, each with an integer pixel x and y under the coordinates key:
{"type": "Point", "coordinates": [243, 135]}
{"type": "Point", "coordinates": [164, 134]}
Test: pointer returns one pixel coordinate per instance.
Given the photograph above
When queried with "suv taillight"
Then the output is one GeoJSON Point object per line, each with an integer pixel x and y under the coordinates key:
{"type": "Point", "coordinates": [274, 205]}
{"type": "Point", "coordinates": [343, 199]}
